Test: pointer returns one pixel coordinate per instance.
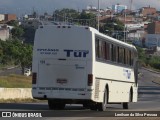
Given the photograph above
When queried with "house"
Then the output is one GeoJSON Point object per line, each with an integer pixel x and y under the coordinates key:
{"type": "Point", "coordinates": [152, 41]}
{"type": "Point", "coordinates": [154, 27]}
{"type": "Point", "coordinates": [4, 34]}
{"type": "Point", "coordinates": [2, 17]}
{"type": "Point", "coordinates": [9, 17]}
{"type": "Point", "coordinates": [145, 11]}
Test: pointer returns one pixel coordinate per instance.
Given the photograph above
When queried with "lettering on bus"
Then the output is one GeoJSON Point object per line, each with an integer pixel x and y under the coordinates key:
{"type": "Point", "coordinates": [48, 51]}
{"type": "Point", "coordinates": [76, 53]}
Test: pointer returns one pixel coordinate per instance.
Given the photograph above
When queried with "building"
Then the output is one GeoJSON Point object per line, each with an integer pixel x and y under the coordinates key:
{"type": "Point", "coordinates": [134, 26]}
{"type": "Point", "coordinates": [4, 34]}
{"type": "Point", "coordinates": [154, 28]}
{"type": "Point", "coordinates": [127, 20]}
{"type": "Point", "coordinates": [145, 11]}
{"type": "Point", "coordinates": [9, 17]}
{"type": "Point", "coordinates": [118, 8]}
{"type": "Point", "coordinates": [152, 40]}
{"type": "Point", "coordinates": [136, 34]}
{"type": "Point", "coordinates": [2, 17]}
{"type": "Point", "coordinates": [90, 7]}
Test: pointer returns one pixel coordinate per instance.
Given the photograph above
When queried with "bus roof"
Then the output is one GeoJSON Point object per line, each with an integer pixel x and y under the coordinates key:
{"type": "Point", "coordinates": [96, 32]}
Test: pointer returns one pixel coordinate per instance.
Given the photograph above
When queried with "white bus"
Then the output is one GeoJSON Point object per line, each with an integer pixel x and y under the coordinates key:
{"type": "Point", "coordinates": [73, 64]}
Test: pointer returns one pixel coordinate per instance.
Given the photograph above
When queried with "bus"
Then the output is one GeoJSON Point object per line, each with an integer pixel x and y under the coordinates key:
{"type": "Point", "coordinates": [80, 65]}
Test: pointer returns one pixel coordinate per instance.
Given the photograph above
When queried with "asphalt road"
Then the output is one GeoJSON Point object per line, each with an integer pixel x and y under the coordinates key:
{"type": "Point", "coordinates": [148, 100]}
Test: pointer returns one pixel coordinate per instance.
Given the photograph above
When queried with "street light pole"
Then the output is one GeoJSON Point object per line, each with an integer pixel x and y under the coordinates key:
{"type": "Point", "coordinates": [98, 13]}
{"type": "Point", "coordinates": [124, 25]}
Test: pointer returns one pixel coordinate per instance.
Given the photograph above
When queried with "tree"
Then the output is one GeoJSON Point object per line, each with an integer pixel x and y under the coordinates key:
{"type": "Point", "coordinates": [13, 23]}
{"type": "Point", "coordinates": [73, 16]}
{"type": "Point", "coordinates": [87, 19]}
{"type": "Point", "coordinates": [13, 52]}
{"type": "Point", "coordinates": [113, 26]}
{"type": "Point", "coordinates": [61, 15]}
{"type": "Point", "coordinates": [17, 32]}
{"type": "Point", "coordinates": [67, 12]}
{"type": "Point", "coordinates": [28, 35]}
{"type": "Point", "coordinates": [142, 56]}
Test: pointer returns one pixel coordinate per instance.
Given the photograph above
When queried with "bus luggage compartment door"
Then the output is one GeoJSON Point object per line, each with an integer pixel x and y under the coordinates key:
{"type": "Point", "coordinates": [62, 74]}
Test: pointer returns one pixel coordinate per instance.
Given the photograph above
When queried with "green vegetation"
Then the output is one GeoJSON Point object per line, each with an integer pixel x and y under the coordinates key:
{"type": "Point", "coordinates": [26, 100]}
{"type": "Point", "coordinates": [17, 31]}
{"type": "Point", "coordinates": [113, 27]}
{"type": "Point", "coordinates": [70, 13]}
{"type": "Point", "coordinates": [75, 17]}
{"type": "Point", "coordinates": [156, 80]}
{"type": "Point", "coordinates": [148, 60]}
{"type": "Point", "coordinates": [13, 52]}
{"type": "Point", "coordinates": [15, 81]}
{"type": "Point", "coordinates": [153, 61]}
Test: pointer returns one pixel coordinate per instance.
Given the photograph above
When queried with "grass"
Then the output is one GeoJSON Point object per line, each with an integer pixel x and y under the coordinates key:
{"type": "Point", "coordinates": [15, 81]}
{"type": "Point", "coordinates": [26, 100]}
{"type": "Point", "coordinates": [157, 80]}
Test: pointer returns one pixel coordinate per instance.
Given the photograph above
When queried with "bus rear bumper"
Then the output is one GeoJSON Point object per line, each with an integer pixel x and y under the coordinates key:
{"type": "Point", "coordinates": [52, 94]}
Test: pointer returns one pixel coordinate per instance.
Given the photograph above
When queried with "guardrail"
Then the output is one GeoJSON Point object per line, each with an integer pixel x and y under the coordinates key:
{"type": "Point", "coordinates": [14, 93]}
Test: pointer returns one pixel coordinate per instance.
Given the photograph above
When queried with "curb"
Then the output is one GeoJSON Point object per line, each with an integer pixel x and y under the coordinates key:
{"type": "Point", "coordinates": [156, 83]}
{"type": "Point", "coordinates": [150, 70]}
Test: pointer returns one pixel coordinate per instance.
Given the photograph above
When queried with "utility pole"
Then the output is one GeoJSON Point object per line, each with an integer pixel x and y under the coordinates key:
{"type": "Point", "coordinates": [98, 13]}
{"type": "Point", "coordinates": [131, 5]}
{"type": "Point", "coordinates": [125, 25]}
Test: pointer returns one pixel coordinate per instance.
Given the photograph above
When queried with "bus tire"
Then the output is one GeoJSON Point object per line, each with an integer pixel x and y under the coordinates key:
{"type": "Point", "coordinates": [93, 107]}
{"type": "Point", "coordinates": [55, 106]}
{"type": "Point", "coordinates": [125, 105]}
{"type": "Point", "coordinates": [102, 106]}
{"type": "Point", "coordinates": [131, 95]}
{"type": "Point", "coordinates": [85, 105]}
{"type": "Point", "coordinates": [51, 104]}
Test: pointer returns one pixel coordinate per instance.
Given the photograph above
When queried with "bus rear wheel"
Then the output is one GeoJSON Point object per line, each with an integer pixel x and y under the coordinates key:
{"type": "Point", "coordinates": [55, 105]}
{"type": "Point", "coordinates": [125, 104]}
{"type": "Point", "coordinates": [86, 106]}
{"type": "Point", "coordinates": [93, 107]}
{"type": "Point", "coordinates": [102, 106]}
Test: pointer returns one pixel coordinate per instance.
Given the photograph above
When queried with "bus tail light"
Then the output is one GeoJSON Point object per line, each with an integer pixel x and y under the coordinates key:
{"type": "Point", "coordinates": [90, 79]}
{"type": "Point", "coordinates": [34, 78]}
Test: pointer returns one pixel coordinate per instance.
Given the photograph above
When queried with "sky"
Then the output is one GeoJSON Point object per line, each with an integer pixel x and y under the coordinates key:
{"type": "Point", "coordinates": [41, 6]}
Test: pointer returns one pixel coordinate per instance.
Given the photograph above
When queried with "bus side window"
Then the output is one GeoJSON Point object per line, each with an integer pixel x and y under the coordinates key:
{"type": "Point", "coordinates": [111, 52]}
{"type": "Point", "coordinates": [97, 48]}
{"type": "Point", "coordinates": [121, 55]}
{"type": "Point", "coordinates": [127, 57]}
{"type": "Point", "coordinates": [131, 58]}
{"type": "Point", "coordinates": [114, 53]}
{"type": "Point", "coordinates": [107, 51]}
{"type": "Point", "coordinates": [100, 49]}
{"type": "Point", "coordinates": [124, 57]}
{"type": "Point", "coordinates": [118, 59]}
{"type": "Point", "coordinates": [103, 50]}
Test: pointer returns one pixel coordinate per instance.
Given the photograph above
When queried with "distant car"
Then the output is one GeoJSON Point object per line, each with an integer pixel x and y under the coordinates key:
{"type": "Point", "coordinates": [27, 71]}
